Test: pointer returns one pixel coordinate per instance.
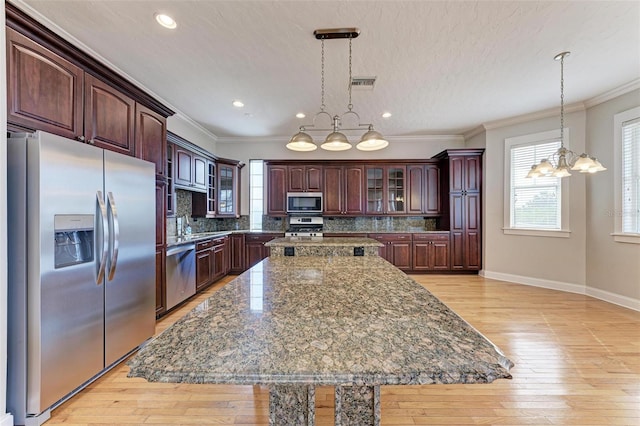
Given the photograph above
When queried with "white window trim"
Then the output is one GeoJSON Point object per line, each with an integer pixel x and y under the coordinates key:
{"type": "Point", "coordinates": [617, 234]}
{"type": "Point", "coordinates": [564, 231]}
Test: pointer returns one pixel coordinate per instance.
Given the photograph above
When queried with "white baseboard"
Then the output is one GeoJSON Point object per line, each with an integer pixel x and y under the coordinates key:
{"type": "Point", "coordinates": [616, 299]}
{"type": "Point", "coordinates": [6, 419]}
{"type": "Point", "coordinates": [624, 301]}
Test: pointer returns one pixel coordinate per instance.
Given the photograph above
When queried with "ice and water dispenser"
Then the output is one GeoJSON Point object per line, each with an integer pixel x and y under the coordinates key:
{"type": "Point", "coordinates": [74, 239]}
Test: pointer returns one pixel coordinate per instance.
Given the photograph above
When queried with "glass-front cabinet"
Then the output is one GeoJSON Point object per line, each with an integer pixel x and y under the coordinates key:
{"type": "Point", "coordinates": [385, 189]}
{"type": "Point", "coordinates": [226, 190]}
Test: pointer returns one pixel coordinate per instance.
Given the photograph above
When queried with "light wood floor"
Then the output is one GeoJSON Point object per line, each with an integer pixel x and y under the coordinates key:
{"type": "Point", "coordinates": [577, 363]}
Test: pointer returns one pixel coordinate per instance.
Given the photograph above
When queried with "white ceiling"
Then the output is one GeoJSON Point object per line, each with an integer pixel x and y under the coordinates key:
{"type": "Point", "coordinates": [442, 67]}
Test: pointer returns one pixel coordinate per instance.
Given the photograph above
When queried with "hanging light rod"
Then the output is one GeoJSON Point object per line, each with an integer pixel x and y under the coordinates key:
{"type": "Point", "coordinates": [563, 160]}
{"type": "Point", "coordinates": [336, 140]}
{"type": "Point", "coordinates": [332, 33]}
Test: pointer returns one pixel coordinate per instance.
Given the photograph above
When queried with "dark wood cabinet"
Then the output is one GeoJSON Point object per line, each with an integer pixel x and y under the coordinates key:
{"type": "Point", "coordinates": [385, 187]}
{"type": "Point", "coordinates": [343, 193]}
{"type": "Point", "coordinates": [109, 117]}
{"type": "Point", "coordinates": [227, 195]}
{"type": "Point", "coordinates": [397, 249]}
{"type": "Point", "coordinates": [204, 204]}
{"type": "Point", "coordinates": [306, 178]}
{"type": "Point", "coordinates": [276, 190]}
{"type": "Point", "coordinates": [160, 281]}
{"type": "Point", "coordinates": [44, 90]}
{"type": "Point", "coordinates": [236, 254]}
{"type": "Point", "coordinates": [190, 170]}
{"type": "Point", "coordinates": [204, 264]}
{"type": "Point", "coordinates": [255, 250]}
{"type": "Point", "coordinates": [423, 189]}
{"type": "Point", "coordinates": [171, 193]}
{"type": "Point", "coordinates": [220, 256]}
{"type": "Point", "coordinates": [151, 136]}
{"type": "Point", "coordinates": [462, 208]}
{"type": "Point", "coordinates": [430, 252]}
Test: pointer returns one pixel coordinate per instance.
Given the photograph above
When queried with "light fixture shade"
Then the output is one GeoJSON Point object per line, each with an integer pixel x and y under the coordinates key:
{"type": "Point", "coordinates": [336, 141]}
{"type": "Point", "coordinates": [372, 141]}
{"type": "Point", "coordinates": [583, 163]}
{"type": "Point", "coordinates": [545, 167]}
{"type": "Point", "coordinates": [597, 167]}
{"type": "Point", "coordinates": [563, 172]}
{"type": "Point", "coordinates": [301, 142]}
{"type": "Point", "coordinates": [533, 173]}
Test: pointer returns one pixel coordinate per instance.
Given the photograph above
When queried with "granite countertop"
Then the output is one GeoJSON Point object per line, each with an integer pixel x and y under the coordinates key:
{"type": "Point", "coordinates": [321, 321]}
{"type": "Point", "coordinates": [324, 241]}
{"type": "Point", "coordinates": [185, 239]}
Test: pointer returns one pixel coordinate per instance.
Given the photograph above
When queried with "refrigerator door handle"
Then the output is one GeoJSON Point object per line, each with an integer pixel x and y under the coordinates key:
{"type": "Point", "coordinates": [105, 238]}
{"type": "Point", "coordinates": [115, 235]}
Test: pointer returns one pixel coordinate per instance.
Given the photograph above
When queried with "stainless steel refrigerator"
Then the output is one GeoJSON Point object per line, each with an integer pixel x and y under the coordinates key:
{"type": "Point", "coordinates": [81, 267]}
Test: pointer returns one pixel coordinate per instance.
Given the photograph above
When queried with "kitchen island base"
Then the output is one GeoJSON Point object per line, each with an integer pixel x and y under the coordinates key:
{"type": "Point", "coordinates": [295, 405]}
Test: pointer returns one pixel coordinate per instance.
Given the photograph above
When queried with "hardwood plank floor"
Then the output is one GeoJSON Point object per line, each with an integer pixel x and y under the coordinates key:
{"type": "Point", "coordinates": [577, 363]}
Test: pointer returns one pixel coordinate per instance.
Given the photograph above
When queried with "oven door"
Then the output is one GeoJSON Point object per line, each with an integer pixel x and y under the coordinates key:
{"type": "Point", "coordinates": [304, 202]}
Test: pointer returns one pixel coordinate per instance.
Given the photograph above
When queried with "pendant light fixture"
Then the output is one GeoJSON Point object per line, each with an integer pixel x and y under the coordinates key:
{"type": "Point", "coordinates": [563, 160]}
{"type": "Point", "coordinates": [336, 140]}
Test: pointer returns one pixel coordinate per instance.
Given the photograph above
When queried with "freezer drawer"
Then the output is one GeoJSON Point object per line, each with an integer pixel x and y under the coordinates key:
{"type": "Point", "coordinates": [181, 274]}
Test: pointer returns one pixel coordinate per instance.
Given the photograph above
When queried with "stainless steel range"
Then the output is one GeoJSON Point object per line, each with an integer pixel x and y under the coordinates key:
{"type": "Point", "coordinates": [305, 226]}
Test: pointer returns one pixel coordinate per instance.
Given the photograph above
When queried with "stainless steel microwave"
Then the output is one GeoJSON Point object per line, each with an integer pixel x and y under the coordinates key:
{"type": "Point", "coordinates": [304, 202]}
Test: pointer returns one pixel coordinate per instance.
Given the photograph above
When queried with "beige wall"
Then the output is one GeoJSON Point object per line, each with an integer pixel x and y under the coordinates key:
{"type": "Point", "coordinates": [545, 261]}
{"type": "Point", "coordinates": [612, 267]}
{"type": "Point", "coordinates": [413, 148]}
{"type": "Point", "coordinates": [191, 131]}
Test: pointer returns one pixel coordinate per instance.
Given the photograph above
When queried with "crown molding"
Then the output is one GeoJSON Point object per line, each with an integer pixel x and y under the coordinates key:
{"type": "Point", "coordinates": [538, 115]}
{"type": "Point", "coordinates": [474, 132]}
{"type": "Point", "coordinates": [190, 121]}
{"type": "Point", "coordinates": [392, 139]}
{"type": "Point", "coordinates": [613, 93]}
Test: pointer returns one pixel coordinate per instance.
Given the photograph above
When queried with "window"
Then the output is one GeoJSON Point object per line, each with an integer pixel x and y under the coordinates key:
{"type": "Point", "coordinates": [533, 206]}
{"type": "Point", "coordinates": [627, 176]}
{"type": "Point", "coordinates": [256, 191]}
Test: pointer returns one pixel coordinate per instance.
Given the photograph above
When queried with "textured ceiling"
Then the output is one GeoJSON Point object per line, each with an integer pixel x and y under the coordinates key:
{"type": "Point", "coordinates": [441, 67]}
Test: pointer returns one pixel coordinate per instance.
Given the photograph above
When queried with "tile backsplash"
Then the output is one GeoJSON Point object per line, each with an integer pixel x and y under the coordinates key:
{"type": "Point", "coordinates": [277, 224]}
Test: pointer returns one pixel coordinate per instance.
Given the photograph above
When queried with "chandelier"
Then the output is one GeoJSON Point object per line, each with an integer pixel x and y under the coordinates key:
{"type": "Point", "coordinates": [336, 140]}
{"type": "Point", "coordinates": [563, 160]}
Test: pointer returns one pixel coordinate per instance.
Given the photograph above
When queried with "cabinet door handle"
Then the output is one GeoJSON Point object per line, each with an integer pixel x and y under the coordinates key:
{"type": "Point", "coordinates": [80, 138]}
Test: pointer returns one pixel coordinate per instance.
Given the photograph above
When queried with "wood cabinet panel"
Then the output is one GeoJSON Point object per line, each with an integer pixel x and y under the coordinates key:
{"type": "Point", "coordinates": [236, 253]}
{"type": "Point", "coordinates": [160, 281]}
{"type": "Point", "coordinates": [199, 179]}
{"type": "Point", "coordinates": [151, 136]}
{"type": "Point", "coordinates": [255, 249]}
{"type": "Point", "coordinates": [44, 91]}
{"type": "Point", "coordinates": [343, 190]}
{"type": "Point", "coordinates": [204, 268]}
{"type": "Point", "coordinates": [276, 190]}
{"type": "Point", "coordinates": [397, 249]}
{"type": "Point", "coordinates": [307, 178]}
{"type": "Point", "coordinates": [109, 117]}
{"type": "Point", "coordinates": [430, 252]}
{"type": "Point", "coordinates": [354, 201]}
{"type": "Point", "coordinates": [183, 164]}
{"type": "Point", "coordinates": [385, 187]}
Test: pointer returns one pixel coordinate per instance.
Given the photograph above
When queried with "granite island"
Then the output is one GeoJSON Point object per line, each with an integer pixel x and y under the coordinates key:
{"type": "Point", "coordinates": [293, 323]}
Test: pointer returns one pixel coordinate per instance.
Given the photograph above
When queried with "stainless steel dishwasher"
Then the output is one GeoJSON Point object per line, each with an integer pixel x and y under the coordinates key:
{"type": "Point", "coordinates": [181, 273]}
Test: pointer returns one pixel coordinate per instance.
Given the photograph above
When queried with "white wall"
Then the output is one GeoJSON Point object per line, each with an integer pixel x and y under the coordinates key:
{"type": "Point", "coordinates": [612, 267]}
{"type": "Point", "coordinates": [545, 261]}
{"type": "Point", "coordinates": [191, 131]}
{"type": "Point", "coordinates": [398, 149]}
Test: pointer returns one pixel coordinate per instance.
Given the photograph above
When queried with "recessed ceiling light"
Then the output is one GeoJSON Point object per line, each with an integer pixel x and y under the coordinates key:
{"type": "Point", "coordinates": [238, 104]}
{"type": "Point", "coordinates": [166, 21]}
{"type": "Point", "coordinates": [386, 115]}
{"type": "Point", "coordinates": [300, 115]}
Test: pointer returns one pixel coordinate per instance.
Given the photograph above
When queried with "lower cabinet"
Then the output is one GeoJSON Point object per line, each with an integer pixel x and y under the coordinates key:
{"type": "Point", "coordinates": [160, 280]}
{"type": "Point", "coordinates": [255, 249]}
{"type": "Point", "coordinates": [396, 249]}
{"type": "Point", "coordinates": [236, 254]}
{"type": "Point", "coordinates": [431, 252]}
{"type": "Point", "coordinates": [211, 261]}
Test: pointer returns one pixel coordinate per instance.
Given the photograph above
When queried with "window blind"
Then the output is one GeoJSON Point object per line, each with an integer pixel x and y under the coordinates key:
{"type": "Point", "coordinates": [631, 176]}
{"type": "Point", "coordinates": [535, 203]}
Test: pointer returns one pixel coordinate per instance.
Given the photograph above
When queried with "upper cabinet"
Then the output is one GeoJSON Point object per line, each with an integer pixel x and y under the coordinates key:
{"type": "Point", "coordinates": [306, 178]}
{"type": "Point", "coordinates": [385, 189]}
{"type": "Point", "coordinates": [423, 189]}
{"type": "Point", "coordinates": [44, 90]}
{"type": "Point", "coordinates": [228, 175]}
{"type": "Point", "coordinates": [190, 170]}
{"type": "Point", "coordinates": [54, 87]}
{"type": "Point", "coordinates": [276, 191]}
{"type": "Point", "coordinates": [344, 190]}
{"type": "Point", "coordinates": [108, 117]}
